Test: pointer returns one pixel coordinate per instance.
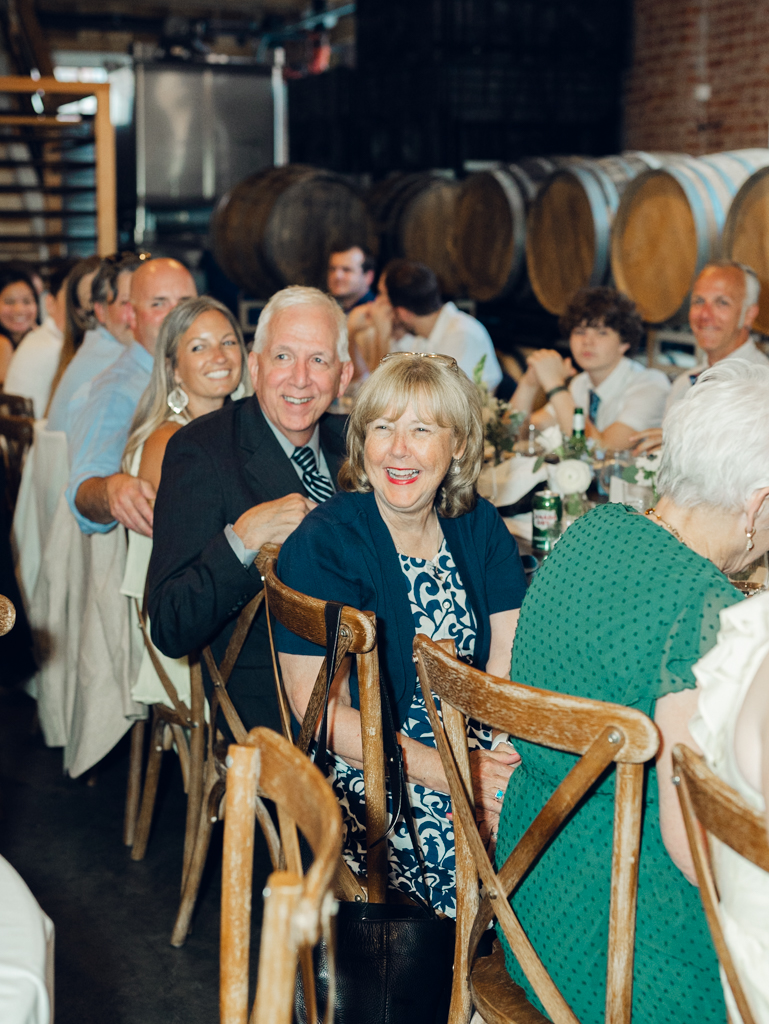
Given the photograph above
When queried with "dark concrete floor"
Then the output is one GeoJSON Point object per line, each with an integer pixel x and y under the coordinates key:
{"type": "Point", "coordinates": [113, 916]}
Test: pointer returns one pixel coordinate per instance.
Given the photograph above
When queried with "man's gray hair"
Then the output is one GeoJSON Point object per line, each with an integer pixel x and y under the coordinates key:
{"type": "Point", "coordinates": [750, 278]}
{"type": "Point", "coordinates": [717, 437]}
{"type": "Point", "coordinates": [297, 295]}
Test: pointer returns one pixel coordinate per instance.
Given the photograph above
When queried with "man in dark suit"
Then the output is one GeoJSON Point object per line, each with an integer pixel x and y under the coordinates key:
{"type": "Point", "coordinates": [245, 476]}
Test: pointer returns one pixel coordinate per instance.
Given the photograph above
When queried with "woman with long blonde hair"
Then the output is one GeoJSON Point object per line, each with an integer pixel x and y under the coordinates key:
{"type": "Point", "coordinates": [200, 363]}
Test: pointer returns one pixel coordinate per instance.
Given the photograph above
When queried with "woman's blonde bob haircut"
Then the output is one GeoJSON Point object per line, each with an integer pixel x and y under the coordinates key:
{"type": "Point", "coordinates": [440, 393]}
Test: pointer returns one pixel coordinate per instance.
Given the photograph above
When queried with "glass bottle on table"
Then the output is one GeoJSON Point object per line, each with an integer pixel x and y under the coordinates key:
{"type": "Point", "coordinates": [578, 441]}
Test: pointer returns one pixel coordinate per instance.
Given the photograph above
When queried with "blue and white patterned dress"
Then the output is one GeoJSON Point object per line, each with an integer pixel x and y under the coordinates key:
{"type": "Point", "coordinates": [441, 611]}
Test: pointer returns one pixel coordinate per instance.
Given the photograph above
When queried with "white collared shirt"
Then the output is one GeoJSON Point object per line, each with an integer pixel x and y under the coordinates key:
{"type": "Point", "coordinates": [459, 335]}
{"type": "Point", "coordinates": [750, 352]}
{"type": "Point", "coordinates": [289, 448]}
{"type": "Point", "coordinates": [631, 394]}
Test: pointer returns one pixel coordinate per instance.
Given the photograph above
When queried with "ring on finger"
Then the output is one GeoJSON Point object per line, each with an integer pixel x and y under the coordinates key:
{"type": "Point", "coordinates": [499, 795]}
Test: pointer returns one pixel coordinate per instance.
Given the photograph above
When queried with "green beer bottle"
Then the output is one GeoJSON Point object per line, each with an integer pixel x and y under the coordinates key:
{"type": "Point", "coordinates": [578, 442]}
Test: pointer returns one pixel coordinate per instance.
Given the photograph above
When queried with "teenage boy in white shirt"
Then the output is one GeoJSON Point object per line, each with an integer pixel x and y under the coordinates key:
{"type": "Point", "coordinates": [618, 395]}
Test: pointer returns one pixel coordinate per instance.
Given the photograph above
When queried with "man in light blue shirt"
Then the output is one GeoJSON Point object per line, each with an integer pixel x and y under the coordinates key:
{"type": "Point", "coordinates": [98, 493]}
{"type": "Point", "coordinates": [101, 347]}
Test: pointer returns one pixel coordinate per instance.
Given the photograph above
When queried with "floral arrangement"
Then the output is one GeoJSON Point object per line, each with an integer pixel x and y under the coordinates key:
{"type": "Point", "coordinates": [500, 423]}
{"type": "Point", "coordinates": [643, 471]}
{"type": "Point", "coordinates": [573, 476]}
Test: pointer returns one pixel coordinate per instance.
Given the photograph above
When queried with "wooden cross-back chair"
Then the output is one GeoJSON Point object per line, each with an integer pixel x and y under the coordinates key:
{"type": "Point", "coordinates": [601, 734]}
{"type": "Point", "coordinates": [709, 802]}
{"type": "Point", "coordinates": [16, 434]}
{"type": "Point", "coordinates": [298, 907]}
{"type": "Point", "coordinates": [168, 725]}
{"type": "Point", "coordinates": [215, 766]}
{"type": "Point", "coordinates": [305, 616]}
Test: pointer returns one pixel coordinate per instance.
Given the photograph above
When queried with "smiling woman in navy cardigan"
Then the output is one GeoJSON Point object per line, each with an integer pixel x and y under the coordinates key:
{"type": "Point", "coordinates": [409, 539]}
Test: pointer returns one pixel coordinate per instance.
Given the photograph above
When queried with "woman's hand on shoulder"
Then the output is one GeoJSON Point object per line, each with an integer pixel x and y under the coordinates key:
{"type": "Point", "coordinates": [154, 449]}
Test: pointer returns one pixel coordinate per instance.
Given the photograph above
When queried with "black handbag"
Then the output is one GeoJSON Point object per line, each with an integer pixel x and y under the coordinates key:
{"type": "Point", "coordinates": [394, 961]}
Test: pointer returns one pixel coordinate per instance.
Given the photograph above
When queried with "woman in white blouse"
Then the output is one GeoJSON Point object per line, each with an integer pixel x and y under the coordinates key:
{"type": "Point", "coordinates": [732, 729]}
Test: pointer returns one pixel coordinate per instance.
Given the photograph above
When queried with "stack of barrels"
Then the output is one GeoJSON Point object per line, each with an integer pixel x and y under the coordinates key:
{"type": "Point", "coordinates": [644, 222]}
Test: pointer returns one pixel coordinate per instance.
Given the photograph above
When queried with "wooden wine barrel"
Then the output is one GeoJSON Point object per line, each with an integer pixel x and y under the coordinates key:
{"type": "Point", "coordinates": [669, 225]}
{"type": "Point", "coordinates": [746, 235]}
{"type": "Point", "coordinates": [489, 241]}
{"type": "Point", "coordinates": [569, 225]}
{"type": "Point", "coordinates": [414, 215]}
{"type": "Point", "coordinates": [277, 227]}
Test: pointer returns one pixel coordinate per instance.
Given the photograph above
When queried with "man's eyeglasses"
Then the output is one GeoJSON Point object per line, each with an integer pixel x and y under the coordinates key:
{"type": "Point", "coordinates": [449, 361]}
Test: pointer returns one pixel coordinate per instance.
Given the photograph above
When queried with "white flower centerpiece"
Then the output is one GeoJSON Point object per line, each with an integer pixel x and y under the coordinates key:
{"type": "Point", "coordinates": [573, 477]}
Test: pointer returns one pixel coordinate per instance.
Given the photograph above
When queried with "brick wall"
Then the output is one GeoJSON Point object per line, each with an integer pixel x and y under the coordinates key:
{"type": "Point", "coordinates": [699, 78]}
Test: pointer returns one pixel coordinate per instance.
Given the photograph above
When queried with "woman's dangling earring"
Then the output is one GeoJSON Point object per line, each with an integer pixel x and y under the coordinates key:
{"type": "Point", "coordinates": [455, 467]}
{"type": "Point", "coordinates": [178, 400]}
{"type": "Point", "coordinates": [750, 534]}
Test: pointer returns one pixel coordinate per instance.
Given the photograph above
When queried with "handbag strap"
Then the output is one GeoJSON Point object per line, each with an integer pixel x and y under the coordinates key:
{"type": "Point", "coordinates": [320, 693]}
{"type": "Point", "coordinates": [394, 758]}
{"type": "Point", "coordinates": [332, 614]}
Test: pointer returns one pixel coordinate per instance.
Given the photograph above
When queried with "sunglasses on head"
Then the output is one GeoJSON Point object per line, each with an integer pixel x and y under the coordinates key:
{"type": "Point", "coordinates": [449, 361]}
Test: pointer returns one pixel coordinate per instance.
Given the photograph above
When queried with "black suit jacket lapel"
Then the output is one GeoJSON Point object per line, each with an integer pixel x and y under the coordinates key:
{"type": "Point", "coordinates": [266, 464]}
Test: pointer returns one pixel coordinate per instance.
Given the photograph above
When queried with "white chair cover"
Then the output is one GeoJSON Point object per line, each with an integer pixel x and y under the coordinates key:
{"type": "Point", "coordinates": [108, 661]}
{"type": "Point", "coordinates": [55, 616]}
{"type": "Point", "coordinates": [43, 479]}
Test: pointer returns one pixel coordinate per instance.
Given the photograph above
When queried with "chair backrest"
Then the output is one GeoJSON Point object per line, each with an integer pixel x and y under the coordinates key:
{"type": "Point", "coordinates": [601, 734]}
{"type": "Point", "coordinates": [305, 616]}
{"type": "Point", "coordinates": [298, 907]}
{"type": "Point", "coordinates": [709, 802]}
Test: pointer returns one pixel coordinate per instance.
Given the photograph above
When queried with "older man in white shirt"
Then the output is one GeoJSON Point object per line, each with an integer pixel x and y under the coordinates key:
{"type": "Point", "coordinates": [723, 308]}
{"type": "Point", "coordinates": [411, 289]}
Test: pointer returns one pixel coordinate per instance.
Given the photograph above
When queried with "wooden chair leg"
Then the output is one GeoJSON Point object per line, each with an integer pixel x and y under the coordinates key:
{"type": "Point", "coordinates": [134, 787]}
{"type": "Point", "coordinates": [209, 814]}
{"type": "Point", "coordinates": [194, 795]}
{"type": "Point", "coordinates": [154, 762]}
{"type": "Point", "coordinates": [183, 750]}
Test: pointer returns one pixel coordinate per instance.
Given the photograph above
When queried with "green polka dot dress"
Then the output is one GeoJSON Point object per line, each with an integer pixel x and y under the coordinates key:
{"type": "Point", "coordinates": [619, 612]}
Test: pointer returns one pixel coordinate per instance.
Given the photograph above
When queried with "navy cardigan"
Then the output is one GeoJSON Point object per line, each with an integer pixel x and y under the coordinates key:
{"type": "Point", "coordinates": [343, 551]}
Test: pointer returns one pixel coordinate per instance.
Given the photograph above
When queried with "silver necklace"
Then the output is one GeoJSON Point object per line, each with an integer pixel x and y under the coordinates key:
{"type": "Point", "coordinates": [437, 572]}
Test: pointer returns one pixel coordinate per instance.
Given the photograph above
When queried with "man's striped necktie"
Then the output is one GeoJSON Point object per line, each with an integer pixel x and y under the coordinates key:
{"type": "Point", "coordinates": [318, 486]}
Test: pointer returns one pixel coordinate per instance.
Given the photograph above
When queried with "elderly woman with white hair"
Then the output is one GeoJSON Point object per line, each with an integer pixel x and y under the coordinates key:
{"type": "Point", "coordinates": [410, 540]}
{"type": "Point", "coordinates": [621, 611]}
